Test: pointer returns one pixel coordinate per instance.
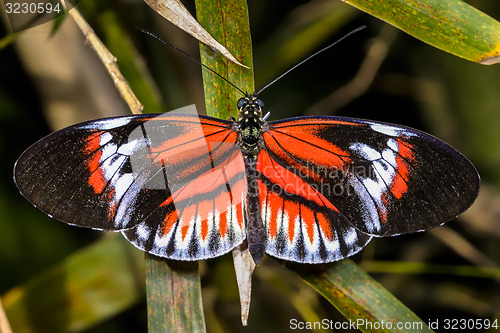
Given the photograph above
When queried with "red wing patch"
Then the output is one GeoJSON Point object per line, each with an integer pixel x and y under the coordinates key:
{"type": "Point", "coordinates": [202, 219]}
{"type": "Point", "coordinates": [302, 225]}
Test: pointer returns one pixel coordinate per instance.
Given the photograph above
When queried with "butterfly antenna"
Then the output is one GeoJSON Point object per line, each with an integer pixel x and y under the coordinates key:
{"type": "Point", "coordinates": [189, 56]}
{"type": "Point", "coordinates": [312, 56]}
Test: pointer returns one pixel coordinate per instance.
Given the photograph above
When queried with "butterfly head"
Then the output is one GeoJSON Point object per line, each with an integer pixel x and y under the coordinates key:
{"type": "Point", "coordinates": [250, 107]}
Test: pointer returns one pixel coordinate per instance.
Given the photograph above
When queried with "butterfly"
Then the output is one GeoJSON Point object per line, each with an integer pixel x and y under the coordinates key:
{"type": "Point", "coordinates": [310, 189]}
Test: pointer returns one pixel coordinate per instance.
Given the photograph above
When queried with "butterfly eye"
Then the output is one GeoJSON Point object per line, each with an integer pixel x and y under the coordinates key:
{"type": "Point", "coordinates": [241, 103]}
{"type": "Point", "coordinates": [259, 102]}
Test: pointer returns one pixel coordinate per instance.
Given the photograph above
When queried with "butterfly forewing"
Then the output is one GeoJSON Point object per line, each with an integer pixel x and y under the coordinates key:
{"type": "Point", "coordinates": [111, 174]}
{"type": "Point", "coordinates": [63, 173]}
{"type": "Point", "coordinates": [384, 179]}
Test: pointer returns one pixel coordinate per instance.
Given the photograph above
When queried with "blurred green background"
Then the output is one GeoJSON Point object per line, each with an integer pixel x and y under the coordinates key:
{"type": "Point", "coordinates": [48, 81]}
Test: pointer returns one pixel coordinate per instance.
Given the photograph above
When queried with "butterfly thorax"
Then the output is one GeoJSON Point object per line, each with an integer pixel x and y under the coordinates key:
{"type": "Point", "coordinates": [250, 125]}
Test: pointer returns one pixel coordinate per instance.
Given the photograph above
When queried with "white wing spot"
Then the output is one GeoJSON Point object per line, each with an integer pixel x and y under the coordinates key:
{"type": "Point", "coordinates": [393, 144]}
{"type": "Point", "coordinates": [311, 246]}
{"type": "Point", "coordinates": [105, 138]}
{"type": "Point", "coordinates": [390, 130]}
{"type": "Point", "coordinates": [351, 237]}
{"type": "Point", "coordinates": [366, 151]}
{"type": "Point", "coordinates": [133, 145]}
{"type": "Point", "coordinates": [107, 124]}
{"type": "Point", "coordinates": [107, 151]}
{"type": "Point", "coordinates": [122, 184]}
{"type": "Point", "coordinates": [143, 232]}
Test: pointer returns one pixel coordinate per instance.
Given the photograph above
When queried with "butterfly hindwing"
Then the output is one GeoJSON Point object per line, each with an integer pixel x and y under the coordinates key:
{"type": "Point", "coordinates": [384, 179]}
{"type": "Point", "coordinates": [301, 224]}
{"type": "Point", "coordinates": [201, 219]}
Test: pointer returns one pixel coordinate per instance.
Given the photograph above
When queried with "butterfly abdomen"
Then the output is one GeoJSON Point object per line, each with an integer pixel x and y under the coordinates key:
{"type": "Point", "coordinates": [256, 233]}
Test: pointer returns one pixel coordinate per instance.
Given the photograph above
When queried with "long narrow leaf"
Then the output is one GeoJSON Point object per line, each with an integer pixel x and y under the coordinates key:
{"type": "Point", "coordinates": [450, 25]}
{"type": "Point", "coordinates": [186, 315]}
{"type": "Point", "coordinates": [362, 300]}
{"type": "Point", "coordinates": [227, 21]}
{"type": "Point", "coordinates": [173, 296]}
{"type": "Point", "coordinates": [229, 24]}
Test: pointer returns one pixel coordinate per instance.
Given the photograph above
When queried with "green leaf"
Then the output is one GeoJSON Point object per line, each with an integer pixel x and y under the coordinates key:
{"type": "Point", "coordinates": [88, 287]}
{"type": "Point", "coordinates": [227, 22]}
{"type": "Point", "coordinates": [450, 25]}
{"type": "Point", "coordinates": [174, 296]}
{"type": "Point", "coordinates": [358, 297]}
